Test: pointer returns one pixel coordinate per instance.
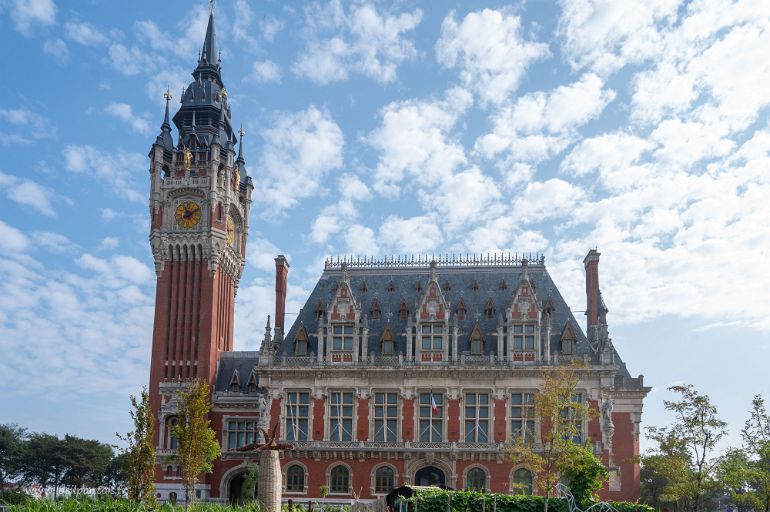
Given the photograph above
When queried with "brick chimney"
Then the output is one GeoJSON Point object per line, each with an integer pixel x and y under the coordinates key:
{"type": "Point", "coordinates": [281, 273]}
{"type": "Point", "coordinates": [591, 263]}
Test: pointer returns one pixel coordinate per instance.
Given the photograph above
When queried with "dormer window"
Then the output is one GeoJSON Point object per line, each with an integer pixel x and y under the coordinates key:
{"type": "Point", "coordinates": [342, 338]}
{"type": "Point", "coordinates": [524, 337]}
{"type": "Point", "coordinates": [567, 340]}
{"type": "Point", "coordinates": [418, 287]}
{"type": "Point", "coordinates": [432, 336]}
{"type": "Point", "coordinates": [300, 342]}
{"type": "Point", "coordinates": [447, 286]}
{"type": "Point", "coordinates": [503, 285]}
{"type": "Point", "coordinates": [376, 312]}
{"type": "Point", "coordinates": [476, 341]}
{"type": "Point", "coordinates": [461, 310]}
{"type": "Point", "coordinates": [363, 288]}
{"type": "Point", "coordinates": [489, 309]}
{"type": "Point", "coordinates": [403, 311]}
{"type": "Point", "coordinates": [388, 342]}
{"type": "Point", "coordinates": [391, 287]}
{"type": "Point", "coordinates": [235, 384]}
{"type": "Point", "coordinates": [319, 310]}
{"type": "Point", "coordinates": [252, 384]}
{"type": "Point", "coordinates": [474, 285]}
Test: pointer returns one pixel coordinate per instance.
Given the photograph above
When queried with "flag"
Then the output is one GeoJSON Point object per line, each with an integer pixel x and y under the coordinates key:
{"type": "Point", "coordinates": [433, 406]}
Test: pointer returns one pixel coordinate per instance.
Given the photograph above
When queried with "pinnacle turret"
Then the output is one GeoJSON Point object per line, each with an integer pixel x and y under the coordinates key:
{"type": "Point", "coordinates": [164, 138]}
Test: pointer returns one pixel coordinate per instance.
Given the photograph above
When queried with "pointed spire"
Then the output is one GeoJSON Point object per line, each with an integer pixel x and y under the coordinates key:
{"type": "Point", "coordinates": [209, 51]}
{"type": "Point", "coordinates": [166, 126]}
{"type": "Point", "coordinates": [240, 159]}
{"type": "Point", "coordinates": [164, 137]}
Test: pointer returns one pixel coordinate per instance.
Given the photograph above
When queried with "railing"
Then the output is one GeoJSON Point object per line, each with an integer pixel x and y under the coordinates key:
{"type": "Point", "coordinates": [441, 260]}
{"type": "Point", "coordinates": [187, 181]}
{"type": "Point", "coordinates": [395, 445]}
{"type": "Point", "coordinates": [305, 362]}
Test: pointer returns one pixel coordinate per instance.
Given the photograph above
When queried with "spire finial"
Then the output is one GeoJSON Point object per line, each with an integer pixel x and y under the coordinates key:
{"type": "Point", "coordinates": [241, 132]}
{"type": "Point", "coordinates": [213, 6]}
{"type": "Point", "coordinates": [166, 125]}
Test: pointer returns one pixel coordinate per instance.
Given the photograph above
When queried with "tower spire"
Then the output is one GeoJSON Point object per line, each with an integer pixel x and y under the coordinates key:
{"type": "Point", "coordinates": [209, 51]}
{"type": "Point", "coordinates": [240, 159]}
{"type": "Point", "coordinates": [164, 137]}
{"type": "Point", "coordinates": [166, 124]}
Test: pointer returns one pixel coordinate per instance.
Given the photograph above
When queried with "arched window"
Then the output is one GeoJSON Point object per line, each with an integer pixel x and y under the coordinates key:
{"type": "Point", "coordinates": [300, 342]}
{"type": "Point", "coordinates": [384, 480]}
{"type": "Point", "coordinates": [461, 310]}
{"type": "Point", "coordinates": [522, 481]}
{"type": "Point", "coordinates": [169, 471]}
{"type": "Point", "coordinates": [340, 480]}
{"type": "Point", "coordinates": [295, 478]}
{"type": "Point", "coordinates": [171, 442]}
{"type": "Point", "coordinates": [489, 309]}
{"type": "Point", "coordinates": [476, 480]}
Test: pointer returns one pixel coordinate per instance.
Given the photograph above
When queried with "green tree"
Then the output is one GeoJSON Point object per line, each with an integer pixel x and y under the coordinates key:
{"type": "Point", "coordinates": [197, 444]}
{"type": "Point", "coordinates": [250, 480]}
{"type": "Point", "coordinates": [45, 463]}
{"type": "Point", "coordinates": [140, 453]}
{"type": "Point", "coordinates": [562, 418]}
{"type": "Point", "coordinates": [13, 453]}
{"type": "Point", "coordinates": [666, 475]}
{"type": "Point", "coordinates": [85, 461]}
{"type": "Point", "coordinates": [585, 473]}
{"type": "Point", "coordinates": [688, 445]}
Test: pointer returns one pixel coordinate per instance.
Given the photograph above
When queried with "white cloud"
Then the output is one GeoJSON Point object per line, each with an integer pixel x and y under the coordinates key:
{"type": "Point", "coordinates": [109, 243]}
{"type": "Point", "coordinates": [28, 126]}
{"type": "Point", "coordinates": [614, 155]}
{"type": "Point", "coordinates": [489, 50]}
{"type": "Point", "coordinates": [541, 201]}
{"type": "Point", "coordinates": [124, 112]}
{"type": "Point", "coordinates": [108, 214]}
{"type": "Point", "coordinates": [361, 40]}
{"type": "Point", "coordinates": [28, 13]}
{"type": "Point", "coordinates": [55, 243]}
{"type": "Point", "coordinates": [605, 35]}
{"type": "Point", "coordinates": [118, 170]}
{"type": "Point", "coordinates": [266, 71]}
{"type": "Point", "coordinates": [361, 240]}
{"type": "Point", "coordinates": [14, 241]}
{"type": "Point", "coordinates": [414, 235]}
{"type": "Point", "coordinates": [130, 61]}
{"type": "Point", "coordinates": [540, 124]}
{"type": "Point", "coordinates": [28, 193]}
{"type": "Point", "coordinates": [413, 139]}
{"type": "Point", "coordinates": [687, 143]}
{"type": "Point", "coordinates": [335, 217]}
{"type": "Point", "coordinates": [57, 49]}
{"type": "Point", "coordinates": [261, 253]}
{"type": "Point", "coordinates": [270, 27]}
{"type": "Point", "coordinates": [85, 33]}
{"type": "Point", "coordinates": [299, 151]}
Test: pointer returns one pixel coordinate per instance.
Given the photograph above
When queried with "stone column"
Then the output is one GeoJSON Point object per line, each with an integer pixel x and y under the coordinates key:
{"type": "Point", "coordinates": [270, 481]}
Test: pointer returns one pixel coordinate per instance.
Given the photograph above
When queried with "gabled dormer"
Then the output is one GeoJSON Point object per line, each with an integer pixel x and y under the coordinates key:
{"type": "Point", "coordinates": [568, 340]}
{"type": "Point", "coordinates": [251, 384]}
{"type": "Point", "coordinates": [476, 341]}
{"type": "Point", "coordinates": [301, 344]}
{"type": "Point", "coordinates": [343, 318]}
{"type": "Point", "coordinates": [523, 315]}
{"type": "Point", "coordinates": [432, 321]}
{"type": "Point", "coordinates": [235, 382]}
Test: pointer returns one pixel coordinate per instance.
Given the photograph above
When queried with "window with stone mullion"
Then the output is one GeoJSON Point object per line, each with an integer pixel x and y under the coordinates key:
{"type": "Point", "coordinates": [385, 417]}
{"type": "Point", "coordinates": [431, 425]}
{"type": "Point", "coordinates": [341, 416]}
{"type": "Point", "coordinates": [476, 418]}
{"type": "Point", "coordinates": [240, 433]}
{"type": "Point", "coordinates": [432, 336]}
{"type": "Point", "coordinates": [523, 416]}
{"type": "Point", "coordinates": [523, 336]}
{"type": "Point", "coordinates": [570, 415]}
{"type": "Point", "coordinates": [297, 414]}
{"type": "Point", "coordinates": [342, 337]}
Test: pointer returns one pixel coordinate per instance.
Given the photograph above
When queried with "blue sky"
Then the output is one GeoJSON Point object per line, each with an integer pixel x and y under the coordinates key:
{"type": "Point", "coordinates": [393, 128]}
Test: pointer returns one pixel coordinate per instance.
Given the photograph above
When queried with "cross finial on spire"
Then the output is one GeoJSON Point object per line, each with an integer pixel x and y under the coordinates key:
{"type": "Point", "coordinates": [241, 131]}
{"type": "Point", "coordinates": [167, 94]}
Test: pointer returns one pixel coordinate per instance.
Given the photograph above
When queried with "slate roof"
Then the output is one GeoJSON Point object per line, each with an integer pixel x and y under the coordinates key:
{"type": "Point", "coordinates": [488, 279]}
{"type": "Point", "coordinates": [229, 362]}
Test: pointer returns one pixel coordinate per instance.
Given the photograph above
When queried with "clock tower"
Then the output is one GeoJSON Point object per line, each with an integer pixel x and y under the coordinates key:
{"type": "Point", "coordinates": [200, 196]}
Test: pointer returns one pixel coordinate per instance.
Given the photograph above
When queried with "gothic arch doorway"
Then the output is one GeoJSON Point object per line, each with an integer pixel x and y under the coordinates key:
{"type": "Point", "coordinates": [235, 491]}
{"type": "Point", "coordinates": [430, 475]}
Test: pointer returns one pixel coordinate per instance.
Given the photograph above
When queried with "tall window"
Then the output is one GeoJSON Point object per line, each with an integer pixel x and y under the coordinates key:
{"type": "Point", "coordinates": [431, 417]}
{"type": "Point", "coordinates": [574, 415]}
{"type": "Point", "coordinates": [522, 481]}
{"type": "Point", "coordinates": [240, 433]}
{"type": "Point", "coordinates": [476, 417]}
{"type": "Point", "coordinates": [343, 337]}
{"type": "Point", "coordinates": [476, 480]}
{"type": "Point", "coordinates": [297, 415]}
{"type": "Point", "coordinates": [432, 336]}
{"type": "Point", "coordinates": [567, 346]}
{"type": "Point", "coordinates": [340, 480]}
{"type": "Point", "coordinates": [384, 480]}
{"type": "Point", "coordinates": [171, 442]}
{"type": "Point", "coordinates": [295, 478]}
{"type": "Point", "coordinates": [341, 416]}
{"type": "Point", "coordinates": [523, 417]}
{"type": "Point", "coordinates": [385, 417]}
{"type": "Point", "coordinates": [523, 337]}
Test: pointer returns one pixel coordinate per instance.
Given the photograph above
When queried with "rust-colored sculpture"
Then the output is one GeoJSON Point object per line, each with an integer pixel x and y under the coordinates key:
{"type": "Point", "coordinates": [269, 485]}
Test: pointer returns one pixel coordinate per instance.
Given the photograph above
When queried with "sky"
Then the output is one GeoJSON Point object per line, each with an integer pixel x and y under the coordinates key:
{"type": "Point", "coordinates": [384, 129]}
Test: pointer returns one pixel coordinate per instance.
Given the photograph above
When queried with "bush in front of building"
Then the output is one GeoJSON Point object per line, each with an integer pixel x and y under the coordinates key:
{"type": "Point", "coordinates": [464, 501]}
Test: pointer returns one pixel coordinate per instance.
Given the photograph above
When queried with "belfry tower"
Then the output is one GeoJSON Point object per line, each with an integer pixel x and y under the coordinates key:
{"type": "Point", "coordinates": [200, 195]}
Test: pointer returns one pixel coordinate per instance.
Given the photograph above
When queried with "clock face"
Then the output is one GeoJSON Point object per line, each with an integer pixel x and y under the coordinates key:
{"type": "Point", "coordinates": [230, 230]}
{"type": "Point", "coordinates": [188, 214]}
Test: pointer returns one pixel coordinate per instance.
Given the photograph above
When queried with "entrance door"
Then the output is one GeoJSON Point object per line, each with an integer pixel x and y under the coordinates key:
{"type": "Point", "coordinates": [430, 475]}
{"type": "Point", "coordinates": [236, 490]}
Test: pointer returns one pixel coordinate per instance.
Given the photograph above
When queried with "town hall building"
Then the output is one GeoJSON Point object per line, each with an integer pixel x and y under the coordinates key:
{"type": "Point", "coordinates": [396, 371]}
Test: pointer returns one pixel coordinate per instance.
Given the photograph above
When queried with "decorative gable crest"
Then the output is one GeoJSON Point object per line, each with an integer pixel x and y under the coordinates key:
{"type": "Point", "coordinates": [344, 305]}
{"type": "Point", "coordinates": [524, 306]}
{"type": "Point", "coordinates": [432, 306]}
